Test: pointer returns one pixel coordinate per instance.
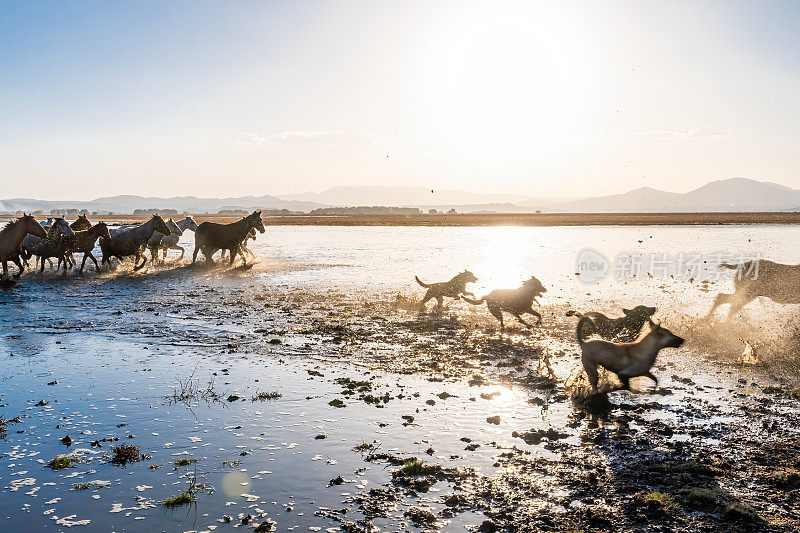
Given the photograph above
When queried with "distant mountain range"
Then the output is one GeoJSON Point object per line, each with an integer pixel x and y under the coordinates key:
{"type": "Point", "coordinates": [189, 204]}
{"type": "Point", "coordinates": [735, 194]}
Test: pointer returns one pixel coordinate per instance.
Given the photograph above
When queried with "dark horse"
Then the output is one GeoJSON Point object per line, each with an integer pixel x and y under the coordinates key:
{"type": "Point", "coordinates": [131, 241]}
{"type": "Point", "coordinates": [83, 241]}
{"type": "Point", "coordinates": [210, 237]}
{"type": "Point", "coordinates": [11, 237]}
{"type": "Point", "coordinates": [81, 223]}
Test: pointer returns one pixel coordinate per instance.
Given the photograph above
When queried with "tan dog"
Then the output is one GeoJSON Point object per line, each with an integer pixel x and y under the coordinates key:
{"type": "Point", "coordinates": [514, 301]}
{"type": "Point", "coordinates": [627, 360]}
{"type": "Point", "coordinates": [452, 289]}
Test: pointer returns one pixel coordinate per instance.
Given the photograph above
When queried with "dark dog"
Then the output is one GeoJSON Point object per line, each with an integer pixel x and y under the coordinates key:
{"type": "Point", "coordinates": [623, 329]}
{"type": "Point", "coordinates": [627, 360]}
{"type": "Point", "coordinates": [514, 301]}
{"type": "Point", "coordinates": [454, 288]}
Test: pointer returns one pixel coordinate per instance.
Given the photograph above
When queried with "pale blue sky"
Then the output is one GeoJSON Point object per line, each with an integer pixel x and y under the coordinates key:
{"type": "Point", "coordinates": [235, 98]}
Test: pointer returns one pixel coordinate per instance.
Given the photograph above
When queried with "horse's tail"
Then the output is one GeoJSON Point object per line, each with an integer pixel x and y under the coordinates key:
{"type": "Point", "coordinates": [473, 302]}
{"type": "Point", "coordinates": [421, 283]}
{"type": "Point", "coordinates": [583, 323]}
{"type": "Point", "coordinates": [573, 313]}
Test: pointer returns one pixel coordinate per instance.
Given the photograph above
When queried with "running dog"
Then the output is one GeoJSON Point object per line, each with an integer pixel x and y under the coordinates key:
{"type": "Point", "coordinates": [514, 301]}
{"type": "Point", "coordinates": [454, 288]}
{"type": "Point", "coordinates": [623, 329]}
{"type": "Point", "coordinates": [627, 360]}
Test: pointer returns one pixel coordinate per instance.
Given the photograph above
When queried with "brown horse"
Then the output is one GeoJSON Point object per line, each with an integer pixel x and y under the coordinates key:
{"type": "Point", "coordinates": [11, 237]}
{"type": "Point", "coordinates": [81, 223]}
{"type": "Point", "coordinates": [83, 241]}
{"type": "Point", "coordinates": [211, 237]}
{"type": "Point", "coordinates": [243, 249]}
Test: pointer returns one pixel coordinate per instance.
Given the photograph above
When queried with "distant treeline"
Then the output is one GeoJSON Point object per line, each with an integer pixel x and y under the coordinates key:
{"type": "Point", "coordinates": [153, 211]}
{"type": "Point", "coordinates": [264, 212]}
{"type": "Point", "coordinates": [365, 210]}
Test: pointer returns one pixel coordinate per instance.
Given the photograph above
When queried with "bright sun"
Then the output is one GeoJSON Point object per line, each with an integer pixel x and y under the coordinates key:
{"type": "Point", "coordinates": [502, 82]}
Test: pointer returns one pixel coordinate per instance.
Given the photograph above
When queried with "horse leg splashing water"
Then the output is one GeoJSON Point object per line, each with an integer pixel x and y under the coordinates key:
{"type": "Point", "coordinates": [211, 236]}
{"type": "Point", "coordinates": [132, 241]}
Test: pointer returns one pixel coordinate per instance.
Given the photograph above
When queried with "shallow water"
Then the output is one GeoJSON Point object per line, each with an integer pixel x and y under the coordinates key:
{"type": "Point", "coordinates": [321, 299]}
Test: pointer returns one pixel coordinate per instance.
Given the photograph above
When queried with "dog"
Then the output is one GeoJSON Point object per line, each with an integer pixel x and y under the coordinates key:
{"type": "Point", "coordinates": [623, 329]}
{"type": "Point", "coordinates": [454, 288]}
{"type": "Point", "coordinates": [514, 301]}
{"type": "Point", "coordinates": [627, 360]}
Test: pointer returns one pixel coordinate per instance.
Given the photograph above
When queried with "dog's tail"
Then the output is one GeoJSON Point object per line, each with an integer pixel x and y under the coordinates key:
{"type": "Point", "coordinates": [581, 328]}
{"type": "Point", "coordinates": [573, 313]}
{"type": "Point", "coordinates": [473, 302]}
{"type": "Point", "coordinates": [420, 282]}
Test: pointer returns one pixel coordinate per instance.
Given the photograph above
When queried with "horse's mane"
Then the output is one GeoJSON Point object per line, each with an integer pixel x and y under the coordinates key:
{"type": "Point", "coordinates": [10, 225]}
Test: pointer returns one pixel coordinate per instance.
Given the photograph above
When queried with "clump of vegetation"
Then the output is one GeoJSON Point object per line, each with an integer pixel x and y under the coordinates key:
{"type": "Point", "coordinates": [62, 462]}
{"type": "Point", "coordinates": [352, 386]}
{"type": "Point", "coordinates": [261, 396]}
{"type": "Point", "coordinates": [704, 498]}
{"type": "Point", "coordinates": [185, 461]}
{"type": "Point", "coordinates": [190, 390]}
{"type": "Point", "coordinates": [123, 454]}
{"type": "Point", "coordinates": [364, 447]}
{"type": "Point", "coordinates": [183, 498]}
{"type": "Point", "coordinates": [231, 463]}
{"type": "Point", "coordinates": [336, 402]}
{"type": "Point", "coordinates": [664, 500]}
{"type": "Point", "coordinates": [415, 467]}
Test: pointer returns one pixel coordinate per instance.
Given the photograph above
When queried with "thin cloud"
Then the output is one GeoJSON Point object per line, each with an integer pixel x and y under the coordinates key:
{"type": "Point", "coordinates": [347, 137]}
{"type": "Point", "coordinates": [703, 132]}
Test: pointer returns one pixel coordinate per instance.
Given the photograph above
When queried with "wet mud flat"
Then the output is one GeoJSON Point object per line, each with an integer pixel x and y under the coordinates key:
{"type": "Point", "coordinates": [264, 406]}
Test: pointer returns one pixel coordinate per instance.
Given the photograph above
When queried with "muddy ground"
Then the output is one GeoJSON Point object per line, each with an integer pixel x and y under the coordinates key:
{"type": "Point", "coordinates": [430, 420]}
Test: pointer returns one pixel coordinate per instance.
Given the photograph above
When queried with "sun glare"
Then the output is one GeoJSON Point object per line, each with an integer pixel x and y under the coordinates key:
{"type": "Point", "coordinates": [503, 261]}
{"type": "Point", "coordinates": [501, 82]}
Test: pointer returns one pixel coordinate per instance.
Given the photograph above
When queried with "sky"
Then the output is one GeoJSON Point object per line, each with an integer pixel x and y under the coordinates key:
{"type": "Point", "coordinates": [220, 99]}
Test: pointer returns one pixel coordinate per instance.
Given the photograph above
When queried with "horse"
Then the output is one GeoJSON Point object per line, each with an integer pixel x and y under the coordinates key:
{"type": "Point", "coordinates": [210, 237]}
{"type": "Point", "coordinates": [170, 242]}
{"type": "Point", "coordinates": [11, 237]}
{"type": "Point", "coordinates": [83, 241]}
{"type": "Point", "coordinates": [54, 231]}
{"type": "Point", "coordinates": [131, 241]}
{"type": "Point", "coordinates": [154, 244]}
{"type": "Point", "coordinates": [776, 281]}
{"type": "Point", "coordinates": [243, 249]}
{"type": "Point", "coordinates": [81, 223]}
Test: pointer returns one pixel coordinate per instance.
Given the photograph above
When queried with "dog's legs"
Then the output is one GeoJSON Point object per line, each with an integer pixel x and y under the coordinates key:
{"type": "Point", "coordinates": [439, 302]}
{"type": "Point", "coordinates": [591, 372]}
{"type": "Point", "coordinates": [536, 314]}
{"type": "Point", "coordinates": [721, 299]}
{"type": "Point", "coordinates": [651, 376]}
{"type": "Point", "coordinates": [428, 296]}
{"type": "Point", "coordinates": [739, 301]}
{"type": "Point", "coordinates": [626, 382]}
{"type": "Point", "coordinates": [498, 314]}
{"type": "Point", "coordinates": [523, 322]}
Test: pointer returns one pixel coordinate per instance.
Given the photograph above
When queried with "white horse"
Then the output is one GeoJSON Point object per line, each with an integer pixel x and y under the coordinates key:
{"type": "Point", "coordinates": [170, 242]}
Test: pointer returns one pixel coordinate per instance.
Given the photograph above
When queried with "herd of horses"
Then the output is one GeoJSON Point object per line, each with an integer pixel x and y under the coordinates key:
{"type": "Point", "coordinates": [27, 238]}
